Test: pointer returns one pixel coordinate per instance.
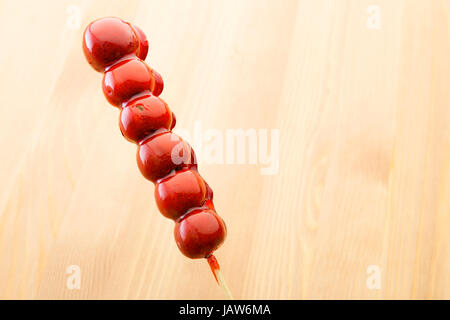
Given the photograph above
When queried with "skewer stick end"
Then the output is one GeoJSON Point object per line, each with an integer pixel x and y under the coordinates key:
{"type": "Point", "coordinates": [215, 268]}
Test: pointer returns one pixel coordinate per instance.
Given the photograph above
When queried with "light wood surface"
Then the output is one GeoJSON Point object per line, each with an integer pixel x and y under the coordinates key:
{"type": "Point", "coordinates": [364, 172]}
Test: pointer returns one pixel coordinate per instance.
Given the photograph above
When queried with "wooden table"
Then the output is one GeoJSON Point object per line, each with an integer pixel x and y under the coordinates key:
{"type": "Point", "coordinates": [360, 204]}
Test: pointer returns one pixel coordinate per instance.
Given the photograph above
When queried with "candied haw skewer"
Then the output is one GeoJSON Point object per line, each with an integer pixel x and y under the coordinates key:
{"type": "Point", "coordinates": [118, 49]}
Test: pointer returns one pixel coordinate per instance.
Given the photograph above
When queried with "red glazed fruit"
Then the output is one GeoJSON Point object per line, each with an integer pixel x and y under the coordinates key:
{"type": "Point", "coordinates": [163, 153]}
{"type": "Point", "coordinates": [209, 197]}
{"type": "Point", "coordinates": [159, 83]}
{"type": "Point", "coordinates": [143, 116]}
{"type": "Point", "coordinates": [143, 42]}
{"type": "Point", "coordinates": [107, 40]}
{"type": "Point", "coordinates": [126, 79]}
{"type": "Point", "coordinates": [199, 233]}
{"type": "Point", "coordinates": [174, 121]}
{"type": "Point", "coordinates": [179, 193]}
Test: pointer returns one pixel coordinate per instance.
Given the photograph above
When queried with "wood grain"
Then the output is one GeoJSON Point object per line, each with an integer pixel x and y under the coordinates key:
{"type": "Point", "coordinates": [364, 158]}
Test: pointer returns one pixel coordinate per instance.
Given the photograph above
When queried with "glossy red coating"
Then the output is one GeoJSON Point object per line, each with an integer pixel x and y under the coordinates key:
{"type": "Point", "coordinates": [107, 40]}
{"type": "Point", "coordinates": [143, 42]}
{"type": "Point", "coordinates": [126, 79]}
{"type": "Point", "coordinates": [179, 193]}
{"type": "Point", "coordinates": [159, 83]}
{"type": "Point", "coordinates": [199, 233]}
{"type": "Point", "coordinates": [174, 121]}
{"type": "Point", "coordinates": [142, 116]}
{"type": "Point", "coordinates": [214, 265]}
{"type": "Point", "coordinates": [162, 153]}
{"type": "Point", "coordinates": [209, 197]}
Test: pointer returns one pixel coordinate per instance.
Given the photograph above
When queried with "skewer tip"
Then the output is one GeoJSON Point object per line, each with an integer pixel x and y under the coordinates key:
{"type": "Point", "coordinates": [215, 268]}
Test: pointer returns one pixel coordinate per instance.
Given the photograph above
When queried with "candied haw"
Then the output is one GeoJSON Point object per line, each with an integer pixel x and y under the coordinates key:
{"type": "Point", "coordinates": [144, 115]}
{"type": "Point", "coordinates": [159, 83]}
{"type": "Point", "coordinates": [174, 121]}
{"type": "Point", "coordinates": [118, 49]}
{"type": "Point", "coordinates": [126, 79]}
{"type": "Point", "coordinates": [199, 233]}
{"type": "Point", "coordinates": [143, 42]}
{"type": "Point", "coordinates": [163, 153]}
{"type": "Point", "coordinates": [107, 40]}
{"type": "Point", "coordinates": [180, 192]}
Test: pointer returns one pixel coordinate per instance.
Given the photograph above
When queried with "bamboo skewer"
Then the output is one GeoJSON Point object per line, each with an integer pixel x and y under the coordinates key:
{"type": "Point", "coordinates": [215, 268]}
